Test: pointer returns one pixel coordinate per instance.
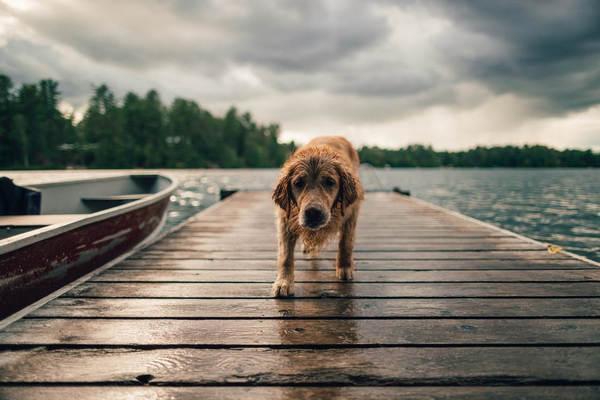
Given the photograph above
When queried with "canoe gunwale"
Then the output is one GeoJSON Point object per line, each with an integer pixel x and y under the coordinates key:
{"type": "Point", "coordinates": [29, 238]}
{"type": "Point", "coordinates": [154, 237]}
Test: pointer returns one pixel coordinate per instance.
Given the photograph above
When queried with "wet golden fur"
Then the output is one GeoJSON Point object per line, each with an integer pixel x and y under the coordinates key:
{"type": "Point", "coordinates": [323, 174]}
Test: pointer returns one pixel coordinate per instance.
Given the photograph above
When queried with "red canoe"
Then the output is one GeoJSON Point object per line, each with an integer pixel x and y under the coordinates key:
{"type": "Point", "coordinates": [51, 234]}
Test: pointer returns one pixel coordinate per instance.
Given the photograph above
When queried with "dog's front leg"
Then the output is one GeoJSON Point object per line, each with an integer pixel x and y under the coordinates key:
{"type": "Point", "coordinates": [344, 266]}
{"type": "Point", "coordinates": [284, 284]}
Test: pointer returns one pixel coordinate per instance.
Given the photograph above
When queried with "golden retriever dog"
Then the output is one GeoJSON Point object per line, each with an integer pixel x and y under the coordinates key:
{"type": "Point", "coordinates": [318, 196]}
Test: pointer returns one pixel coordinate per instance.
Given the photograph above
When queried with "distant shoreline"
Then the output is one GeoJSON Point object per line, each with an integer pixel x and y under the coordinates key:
{"type": "Point", "coordinates": [528, 156]}
{"type": "Point", "coordinates": [140, 131]}
{"type": "Point", "coordinates": [50, 169]}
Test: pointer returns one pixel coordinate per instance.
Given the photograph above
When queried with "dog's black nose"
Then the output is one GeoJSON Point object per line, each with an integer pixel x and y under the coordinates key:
{"type": "Point", "coordinates": [313, 217]}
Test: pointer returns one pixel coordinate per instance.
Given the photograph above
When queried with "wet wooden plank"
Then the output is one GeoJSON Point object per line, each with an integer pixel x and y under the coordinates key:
{"type": "Point", "coordinates": [348, 366]}
{"type": "Point", "coordinates": [424, 265]}
{"type": "Point", "coordinates": [364, 241]}
{"type": "Point", "coordinates": [336, 289]}
{"type": "Point", "coordinates": [405, 231]}
{"type": "Point", "coordinates": [329, 255]}
{"type": "Point", "coordinates": [293, 332]}
{"type": "Point", "coordinates": [373, 248]}
{"type": "Point", "coordinates": [453, 302]}
{"type": "Point", "coordinates": [441, 233]}
{"type": "Point", "coordinates": [302, 393]}
{"type": "Point", "coordinates": [319, 308]}
{"type": "Point", "coordinates": [243, 276]}
{"type": "Point", "coordinates": [367, 218]}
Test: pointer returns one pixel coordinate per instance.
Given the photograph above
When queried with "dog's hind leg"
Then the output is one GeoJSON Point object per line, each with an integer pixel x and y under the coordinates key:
{"type": "Point", "coordinates": [344, 266]}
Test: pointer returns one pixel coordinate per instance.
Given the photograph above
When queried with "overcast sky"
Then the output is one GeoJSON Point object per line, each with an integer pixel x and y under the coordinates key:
{"type": "Point", "coordinates": [453, 74]}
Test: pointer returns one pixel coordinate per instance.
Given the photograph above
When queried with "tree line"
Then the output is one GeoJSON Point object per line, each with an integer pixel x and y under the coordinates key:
{"type": "Point", "coordinates": [135, 132]}
{"type": "Point", "coordinates": [535, 156]}
{"type": "Point", "coordinates": [142, 132]}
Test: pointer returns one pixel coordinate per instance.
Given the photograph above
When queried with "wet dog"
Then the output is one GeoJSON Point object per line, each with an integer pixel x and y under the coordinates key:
{"type": "Point", "coordinates": [318, 196]}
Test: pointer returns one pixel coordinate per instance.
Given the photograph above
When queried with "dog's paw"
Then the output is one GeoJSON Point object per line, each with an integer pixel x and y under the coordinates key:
{"type": "Point", "coordinates": [283, 288]}
{"type": "Point", "coordinates": [344, 274]}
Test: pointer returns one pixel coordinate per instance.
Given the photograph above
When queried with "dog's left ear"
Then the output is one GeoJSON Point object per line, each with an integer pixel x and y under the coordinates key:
{"type": "Point", "coordinates": [347, 193]}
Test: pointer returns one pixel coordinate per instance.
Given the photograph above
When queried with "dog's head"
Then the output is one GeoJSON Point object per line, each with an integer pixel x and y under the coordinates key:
{"type": "Point", "coordinates": [316, 182]}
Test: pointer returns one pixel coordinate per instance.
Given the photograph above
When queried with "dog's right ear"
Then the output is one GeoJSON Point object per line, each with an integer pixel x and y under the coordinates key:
{"type": "Point", "coordinates": [282, 195]}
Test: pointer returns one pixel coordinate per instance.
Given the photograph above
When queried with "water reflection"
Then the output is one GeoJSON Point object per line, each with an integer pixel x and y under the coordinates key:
{"type": "Point", "coordinates": [319, 322]}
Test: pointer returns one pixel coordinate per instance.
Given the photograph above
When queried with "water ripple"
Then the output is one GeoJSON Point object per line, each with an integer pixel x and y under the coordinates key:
{"type": "Point", "coordinates": [560, 206]}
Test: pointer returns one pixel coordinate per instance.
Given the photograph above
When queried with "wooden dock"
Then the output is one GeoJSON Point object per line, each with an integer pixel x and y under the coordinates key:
{"type": "Point", "coordinates": [442, 307]}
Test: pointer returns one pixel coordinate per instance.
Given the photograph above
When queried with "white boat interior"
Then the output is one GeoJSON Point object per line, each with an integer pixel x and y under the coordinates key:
{"type": "Point", "coordinates": [26, 208]}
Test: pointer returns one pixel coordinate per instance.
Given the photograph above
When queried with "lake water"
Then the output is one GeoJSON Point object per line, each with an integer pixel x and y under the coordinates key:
{"type": "Point", "coordinates": [559, 206]}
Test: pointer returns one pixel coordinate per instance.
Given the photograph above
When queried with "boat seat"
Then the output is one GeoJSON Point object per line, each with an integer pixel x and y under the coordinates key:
{"type": "Point", "coordinates": [38, 220]}
{"type": "Point", "coordinates": [120, 197]}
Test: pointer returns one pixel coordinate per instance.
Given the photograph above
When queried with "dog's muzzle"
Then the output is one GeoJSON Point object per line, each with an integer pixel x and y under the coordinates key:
{"type": "Point", "coordinates": [314, 218]}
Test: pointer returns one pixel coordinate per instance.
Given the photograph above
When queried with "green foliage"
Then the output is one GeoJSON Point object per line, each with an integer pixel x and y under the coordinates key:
{"type": "Point", "coordinates": [31, 126]}
{"type": "Point", "coordinates": [506, 156]}
{"type": "Point", "coordinates": [136, 132]}
{"type": "Point", "coordinates": [141, 132]}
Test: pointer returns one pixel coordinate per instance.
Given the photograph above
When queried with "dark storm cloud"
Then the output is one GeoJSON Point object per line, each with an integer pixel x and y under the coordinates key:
{"type": "Point", "coordinates": [540, 32]}
{"type": "Point", "coordinates": [306, 36]}
{"type": "Point", "coordinates": [288, 35]}
{"type": "Point", "coordinates": [548, 50]}
{"type": "Point", "coordinates": [553, 48]}
{"type": "Point", "coordinates": [24, 61]}
{"type": "Point", "coordinates": [134, 36]}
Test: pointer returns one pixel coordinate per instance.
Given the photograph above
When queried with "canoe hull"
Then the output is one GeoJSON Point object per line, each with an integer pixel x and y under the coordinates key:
{"type": "Point", "coordinates": [32, 272]}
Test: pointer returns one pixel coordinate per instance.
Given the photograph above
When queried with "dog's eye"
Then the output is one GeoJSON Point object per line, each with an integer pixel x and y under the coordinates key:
{"type": "Point", "coordinates": [329, 182]}
{"type": "Point", "coordinates": [299, 183]}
